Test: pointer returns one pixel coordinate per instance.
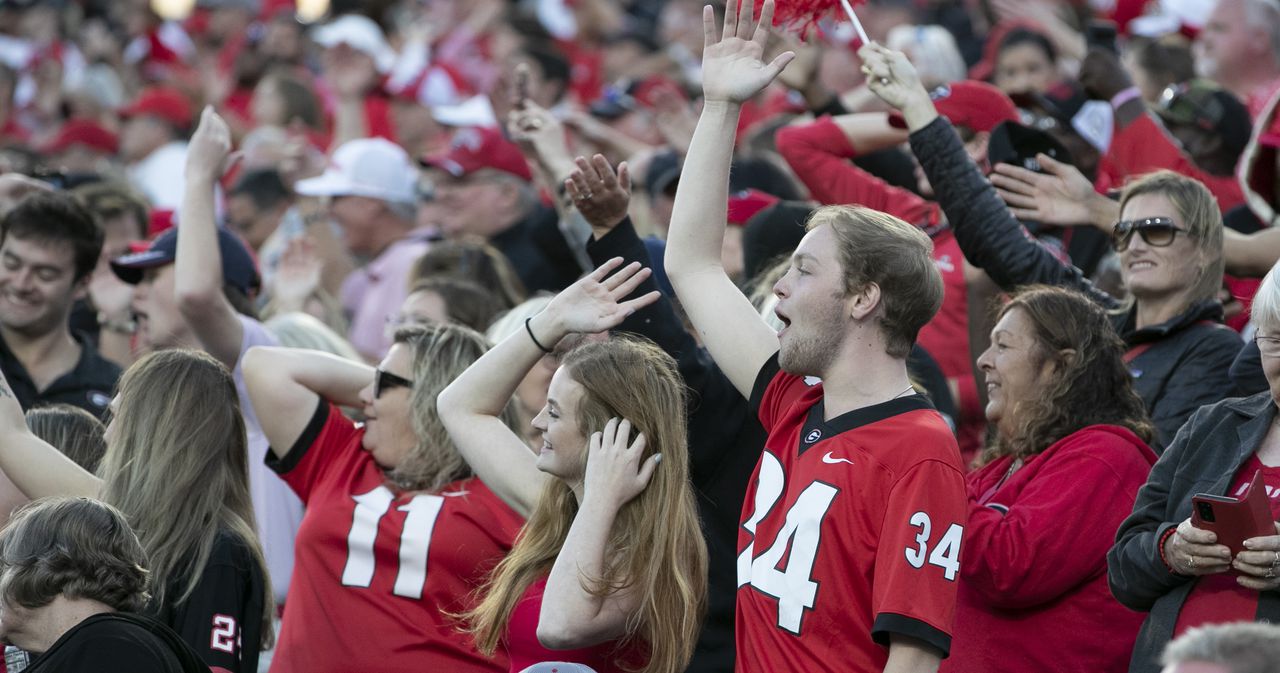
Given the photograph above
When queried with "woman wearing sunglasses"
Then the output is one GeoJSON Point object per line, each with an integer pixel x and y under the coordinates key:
{"type": "Point", "coordinates": [1176, 570]}
{"type": "Point", "coordinates": [1169, 240]}
{"type": "Point", "coordinates": [397, 535]}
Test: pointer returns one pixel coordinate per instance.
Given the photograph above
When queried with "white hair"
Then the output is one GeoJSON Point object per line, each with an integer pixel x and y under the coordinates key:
{"type": "Point", "coordinates": [1266, 303]}
{"type": "Point", "coordinates": [932, 50]}
{"type": "Point", "coordinates": [513, 321]}
{"type": "Point", "coordinates": [1243, 647]}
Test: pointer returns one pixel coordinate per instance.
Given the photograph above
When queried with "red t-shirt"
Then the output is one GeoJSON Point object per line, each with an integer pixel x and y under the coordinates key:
{"type": "Point", "coordinates": [524, 649]}
{"type": "Point", "coordinates": [1219, 599]}
{"type": "Point", "coordinates": [853, 532]}
{"type": "Point", "coordinates": [378, 572]}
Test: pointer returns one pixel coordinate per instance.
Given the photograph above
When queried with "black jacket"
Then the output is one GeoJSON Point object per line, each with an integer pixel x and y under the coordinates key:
{"type": "Point", "coordinates": [119, 642]}
{"type": "Point", "coordinates": [1203, 458]}
{"type": "Point", "coordinates": [1183, 363]}
{"type": "Point", "coordinates": [725, 442]}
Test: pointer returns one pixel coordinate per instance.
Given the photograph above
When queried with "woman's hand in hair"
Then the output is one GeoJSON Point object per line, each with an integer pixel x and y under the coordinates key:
{"type": "Point", "coordinates": [598, 301]}
{"type": "Point", "coordinates": [615, 473]}
{"type": "Point", "coordinates": [600, 195]}
{"type": "Point", "coordinates": [1259, 565]}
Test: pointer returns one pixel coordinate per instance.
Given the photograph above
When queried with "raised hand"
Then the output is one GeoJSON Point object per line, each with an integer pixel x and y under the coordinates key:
{"type": "Point", "coordinates": [733, 67]}
{"type": "Point", "coordinates": [209, 152]}
{"type": "Point", "coordinates": [615, 473]}
{"type": "Point", "coordinates": [892, 77]}
{"type": "Point", "coordinates": [1059, 196]}
{"type": "Point", "coordinates": [298, 276]}
{"type": "Point", "coordinates": [595, 303]}
{"type": "Point", "coordinates": [600, 195]}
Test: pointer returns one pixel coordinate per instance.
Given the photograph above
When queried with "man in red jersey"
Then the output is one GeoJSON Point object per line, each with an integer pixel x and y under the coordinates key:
{"type": "Point", "coordinates": [849, 549]}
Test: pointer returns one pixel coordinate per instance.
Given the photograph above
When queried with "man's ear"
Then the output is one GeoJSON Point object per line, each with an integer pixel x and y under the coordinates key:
{"type": "Point", "coordinates": [80, 288]}
{"type": "Point", "coordinates": [864, 302]}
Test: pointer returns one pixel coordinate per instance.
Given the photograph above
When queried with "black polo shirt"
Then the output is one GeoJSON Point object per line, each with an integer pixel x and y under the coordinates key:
{"type": "Point", "coordinates": [88, 386]}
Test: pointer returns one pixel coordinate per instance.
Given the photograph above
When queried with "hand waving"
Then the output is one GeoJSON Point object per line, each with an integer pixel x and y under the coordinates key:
{"type": "Point", "coordinates": [298, 276]}
{"type": "Point", "coordinates": [733, 69]}
{"type": "Point", "coordinates": [614, 472]}
{"type": "Point", "coordinates": [891, 76]}
{"type": "Point", "coordinates": [1059, 196]}
{"type": "Point", "coordinates": [209, 152]}
{"type": "Point", "coordinates": [595, 303]}
{"type": "Point", "coordinates": [600, 196]}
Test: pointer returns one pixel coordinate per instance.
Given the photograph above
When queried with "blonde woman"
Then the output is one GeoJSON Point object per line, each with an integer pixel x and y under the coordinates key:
{"type": "Point", "coordinates": [397, 533]}
{"type": "Point", "coordinates": [175, 465]}
{"type": "Point", "coordinates": [610, 570]}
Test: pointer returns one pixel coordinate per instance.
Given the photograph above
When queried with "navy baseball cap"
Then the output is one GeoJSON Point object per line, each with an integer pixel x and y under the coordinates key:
{"type": "Point", "coordinates": [238, 267]}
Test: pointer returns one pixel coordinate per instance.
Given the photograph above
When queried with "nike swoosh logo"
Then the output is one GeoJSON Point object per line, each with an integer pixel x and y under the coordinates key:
{"type": "Point", "coordinates": [830, 460]}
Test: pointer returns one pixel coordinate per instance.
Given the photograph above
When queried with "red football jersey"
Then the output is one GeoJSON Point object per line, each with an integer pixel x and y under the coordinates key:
{"type": "Point", "coordinates": [853, 533]}
{"type": "Point", "coordinates": [378, 572]}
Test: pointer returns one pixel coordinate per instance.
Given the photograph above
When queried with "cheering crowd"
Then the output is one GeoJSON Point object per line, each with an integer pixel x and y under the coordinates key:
{"type": "Point", "coordinates": [640, 335]}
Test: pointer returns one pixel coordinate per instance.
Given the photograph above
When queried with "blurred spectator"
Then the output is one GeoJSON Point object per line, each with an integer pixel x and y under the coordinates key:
{"type": "Point", "coordinates": [932, 49]}
{"type": "Point", "coordinates": [255, 205]}
{"type": "Point", "coordinates": [81, 146]}
{"type": "Point", "coordinates": [153, 144]}
{"type": "Point", "coordinates": [447, 300]}
{"type": "Point", "coordinates": [1026, 62]}
{"type": "Point", "coordinates": [1239, 48]}
{"type": "Point", "coordinates": [75, 432]}
{"type": "Point", "coordinates": [49, 247]}
{"type": "Point", "coordinates": [370, 186]}
{"type": "Point", "coordinates": [284, 99]}
{"type": "Point", "coordinates": [473, 260]}
{"type": "Point", "coordinates": [303, 330]}
{"type": "Point", "coordinates": [1155, 64]}
{"type": "Point", "coordinates": [485, 188]}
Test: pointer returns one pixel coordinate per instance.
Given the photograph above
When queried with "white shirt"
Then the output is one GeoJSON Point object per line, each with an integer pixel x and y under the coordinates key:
{"type": "Point", "coordinates": [161, 175]}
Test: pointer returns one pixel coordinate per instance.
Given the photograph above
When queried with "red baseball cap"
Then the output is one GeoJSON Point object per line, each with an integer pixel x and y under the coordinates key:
{"type": "Point", "coordinates": [745, 204]}
{"type": "Point", "coordinates": [474, 149]}
{"type": "Point", "coordinates": [974, 105]}
{"type": "Point", "coordinates": [85, 132]}
{"type": "Point", "coordinates": [163, 102]}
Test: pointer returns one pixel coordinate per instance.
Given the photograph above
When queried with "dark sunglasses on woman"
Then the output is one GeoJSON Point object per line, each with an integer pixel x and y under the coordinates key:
{"type": "Point", "coordinates": [383, 380]}
{"type": "Point", "coordinates": [1157, 232]}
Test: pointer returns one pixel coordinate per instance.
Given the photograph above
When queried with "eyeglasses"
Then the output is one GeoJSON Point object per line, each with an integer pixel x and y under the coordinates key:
{"type": "Point", "coordinates": [1157, 232]}
{"type": "Point", "coordinates": [383, 380]}
{"type": "Point", "coordinates": [1268, 346]}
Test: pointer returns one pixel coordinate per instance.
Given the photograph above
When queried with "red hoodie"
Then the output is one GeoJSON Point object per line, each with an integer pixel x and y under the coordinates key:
{"type": "Point", "coordinates": [1033, 592]}
{"type": "Point", "coordinates": [819, 154]}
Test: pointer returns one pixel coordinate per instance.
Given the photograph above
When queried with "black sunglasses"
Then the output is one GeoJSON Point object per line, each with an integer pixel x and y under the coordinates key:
{"type": "Point", "coordinates": [383, 380]}
{"type": "Point", "coordinates": [1157, 232]}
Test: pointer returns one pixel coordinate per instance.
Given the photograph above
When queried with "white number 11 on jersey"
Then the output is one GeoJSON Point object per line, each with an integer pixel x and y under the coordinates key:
{"type": "Point", "coordinates": [415, 539]}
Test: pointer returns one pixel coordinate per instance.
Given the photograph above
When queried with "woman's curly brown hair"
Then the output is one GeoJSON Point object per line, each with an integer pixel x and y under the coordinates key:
{"type": "Point", "coordinates": [1091, 384]}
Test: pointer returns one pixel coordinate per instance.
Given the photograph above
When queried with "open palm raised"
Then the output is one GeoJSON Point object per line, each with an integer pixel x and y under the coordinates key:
{"type": "Point", "coordinates": [733, 69]}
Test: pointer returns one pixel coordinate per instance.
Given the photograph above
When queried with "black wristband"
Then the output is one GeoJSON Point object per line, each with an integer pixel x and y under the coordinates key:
{"type": "Point", "coordinates": [537, 343]}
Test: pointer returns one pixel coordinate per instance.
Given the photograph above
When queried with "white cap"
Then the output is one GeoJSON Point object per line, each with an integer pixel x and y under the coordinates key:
{"type": "Point", "coordinates": [475, 111]}
{"type": "Point", "coordinates": [360, 33]}
{"type": "Point", "coordinates": [373, 167]}
{"type": "Point", "coordinates": [558, 667]}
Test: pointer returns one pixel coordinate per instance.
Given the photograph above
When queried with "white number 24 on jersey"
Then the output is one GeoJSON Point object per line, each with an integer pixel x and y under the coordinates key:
{"type": "Point", "coordinates": [794, 586]}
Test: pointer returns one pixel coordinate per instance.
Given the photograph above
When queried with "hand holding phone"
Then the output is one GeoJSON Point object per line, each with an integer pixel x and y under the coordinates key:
{"type": "Point", "coordinates": [1235, 520]}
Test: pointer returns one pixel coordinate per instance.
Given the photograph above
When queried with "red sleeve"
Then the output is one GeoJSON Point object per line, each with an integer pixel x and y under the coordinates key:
{"type": "Point", "coordinates": [1144, 146]}
{"type": "Point", "coordinates": [918, 558]}
{"type": "Point", "coordinates": [1057, 532]}
{"type": "Point", "coordinates": [324, 446]}
{"type": "Point", "coordinates": [819, 153]}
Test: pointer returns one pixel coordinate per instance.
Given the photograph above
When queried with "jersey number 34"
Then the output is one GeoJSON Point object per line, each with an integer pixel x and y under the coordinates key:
{"type": "Point", "coordinates": [801, 533]}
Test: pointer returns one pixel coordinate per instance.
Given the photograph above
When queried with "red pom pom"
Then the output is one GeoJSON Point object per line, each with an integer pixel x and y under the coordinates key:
{"type": "Point", "coordinates": [804, 15]}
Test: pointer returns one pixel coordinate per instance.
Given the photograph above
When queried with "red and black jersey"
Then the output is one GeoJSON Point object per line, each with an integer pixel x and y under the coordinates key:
{"type": "Point", "coordinates": [853, 533]}
{"type": "Point", "coordinates": [378, 572]}
{"type": "Point", "coordinates": [222, 618]}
